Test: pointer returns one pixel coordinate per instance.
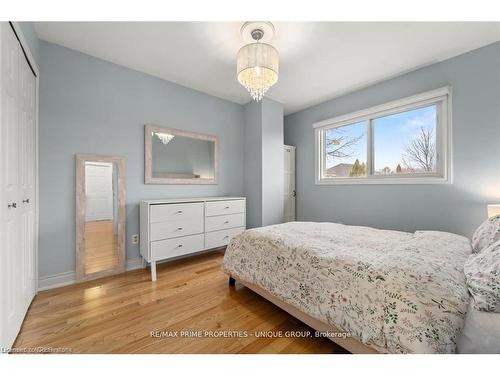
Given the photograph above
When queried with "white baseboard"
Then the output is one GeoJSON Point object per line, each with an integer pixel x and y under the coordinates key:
{"type": "Point", "coordinates": [56, 281]}
{"type": "Point", "coordinates": [68, 278]}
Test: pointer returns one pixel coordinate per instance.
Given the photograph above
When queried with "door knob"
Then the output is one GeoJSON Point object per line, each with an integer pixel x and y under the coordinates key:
{"type": "Point", "coordinates": [294, 193]}
{"type": "Point", "coordinates": [12, 205]}
{"type": "Point", "coordinates": [26, 200]}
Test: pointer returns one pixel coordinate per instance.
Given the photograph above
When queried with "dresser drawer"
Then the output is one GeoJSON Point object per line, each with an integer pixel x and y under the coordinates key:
{"type": "Point", "coordinates": [175, 211]}
{"type": "Point", "coordinates": [225, 207]}
{"type": "Point", "coordinates": [176, 246]}
{"type": "Point", "coordinates": [214, 223]}
{"type": "Point", "coordinates": [176, 228]}
{"type": "Point", "coordinates": [221, 238]}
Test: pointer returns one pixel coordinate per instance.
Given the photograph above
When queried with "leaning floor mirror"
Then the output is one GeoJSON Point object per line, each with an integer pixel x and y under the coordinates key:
{"type": "Point", "coordinates": [175, 156]}
{"type": "Point", "coordinates": [100, 216]}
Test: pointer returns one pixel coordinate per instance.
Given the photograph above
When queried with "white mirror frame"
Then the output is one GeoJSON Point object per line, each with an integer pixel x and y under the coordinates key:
{"type": "Point", "coordinates": [80, 215]}
{"type": "Point", "coordinates": [148, 159]}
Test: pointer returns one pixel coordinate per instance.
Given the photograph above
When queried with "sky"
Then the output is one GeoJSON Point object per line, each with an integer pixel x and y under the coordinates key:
{"type": "Point", "coordinates": [391, 136]}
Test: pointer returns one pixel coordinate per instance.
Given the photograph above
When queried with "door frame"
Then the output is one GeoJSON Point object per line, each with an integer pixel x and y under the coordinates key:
{"type": "Point", "coordinates": [34, 66]}
{"type": "Point", "coordinates": [294, 148]}
{"type": "Point", "coordinates": [119, 161]}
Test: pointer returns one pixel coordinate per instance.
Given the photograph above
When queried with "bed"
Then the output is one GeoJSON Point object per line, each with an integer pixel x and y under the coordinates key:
{"type": "Point", "coordinates": [481, 333]}
{"type": "Point", "coordinates": [387, 291]}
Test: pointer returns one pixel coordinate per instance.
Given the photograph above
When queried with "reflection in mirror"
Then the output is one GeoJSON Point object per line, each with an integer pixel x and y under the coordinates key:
{"type": "Point", "coordinates": [100, 216]}
{"type": "Point", "coordinates": [101, 222]}
{"type": "Point", "coordinates": [179, 157]}
{"type": "Point", "coordinates": [182, 157]}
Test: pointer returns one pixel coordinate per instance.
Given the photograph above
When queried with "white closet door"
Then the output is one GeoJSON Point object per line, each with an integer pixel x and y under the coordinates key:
{"type": "Point", "coordinates": [10, 255]}
{"type": "Point", "coordinates": [17, 182]}
{"type": "Point", "coordinates": [26, 197]}
{"type": "Point", "coordinates": [289, 193]}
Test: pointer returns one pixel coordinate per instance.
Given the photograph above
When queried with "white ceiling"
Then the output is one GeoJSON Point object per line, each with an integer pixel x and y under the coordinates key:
{"type": "Point", "coordinates": [318, 60]}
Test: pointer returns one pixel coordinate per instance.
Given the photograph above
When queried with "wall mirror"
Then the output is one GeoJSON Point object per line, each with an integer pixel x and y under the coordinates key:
{"type": "Point", "coordinates": [178, 157]}
{"type": "Point", "coordinates": [100, 216]}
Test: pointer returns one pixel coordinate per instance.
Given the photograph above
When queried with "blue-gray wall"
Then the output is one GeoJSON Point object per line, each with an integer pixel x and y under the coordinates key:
{"type": "Point", "coordinates": [28, 31]}
{"type": "Point", "coordinates": [91, 106]}
{"type": "Point", "coordinates": [459, 207]}
{"type": "Point", "coordinates": [253, 163]}
{"type": "Point", "coordinates": [264, 177]}
{"type": "Point", "coordinates": [272, 162]}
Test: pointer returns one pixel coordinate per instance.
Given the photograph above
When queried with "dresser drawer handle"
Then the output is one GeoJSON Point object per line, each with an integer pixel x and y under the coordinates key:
{"type": "Point", "coordinates": [179, 245]}
{"type": "Point", "coordinates": [226, 207]}
{"type": "Point", "coordinates": [225, 237]}
{"type": "Point", "coordinates": [226, 222]}
{"type": "Point", "coordinates": [179, 212]}
{"type": "Point", "coordinates": [180, 228]}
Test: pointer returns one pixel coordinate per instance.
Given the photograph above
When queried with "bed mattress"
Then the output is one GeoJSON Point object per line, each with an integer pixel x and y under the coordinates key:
{"type": "Point", "coordinates": [396, 292]}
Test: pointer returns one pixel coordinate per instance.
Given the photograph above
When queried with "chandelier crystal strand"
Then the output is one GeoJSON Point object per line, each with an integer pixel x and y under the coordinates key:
{"type": "Point", "coordinates": [258, 68]}
{"type": "Point", "coordinates": [164, 137]}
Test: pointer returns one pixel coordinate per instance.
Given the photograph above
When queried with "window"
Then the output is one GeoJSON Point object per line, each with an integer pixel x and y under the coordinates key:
{"type": "Point", "coordinates": [345, 150]}
{"type": "Point", "coordinates": [405, 141]}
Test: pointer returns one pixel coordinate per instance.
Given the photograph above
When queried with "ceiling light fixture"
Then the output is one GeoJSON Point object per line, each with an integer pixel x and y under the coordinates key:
{"type": "Point", "coordinates": [258, 62]}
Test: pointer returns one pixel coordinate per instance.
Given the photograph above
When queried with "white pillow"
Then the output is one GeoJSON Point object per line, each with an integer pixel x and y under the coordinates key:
{"type": "Point", "coordinates": [482, 274]}
{"type": "Point", "coordinates": [487, 233]}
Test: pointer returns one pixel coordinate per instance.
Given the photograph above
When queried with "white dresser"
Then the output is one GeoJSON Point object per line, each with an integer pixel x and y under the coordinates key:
{"type": "Point", "coordinates": [172, 228]}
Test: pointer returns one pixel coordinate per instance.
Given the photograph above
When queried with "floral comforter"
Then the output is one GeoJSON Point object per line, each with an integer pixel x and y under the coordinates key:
{"type": "Point", "coordinates": [396, 292]}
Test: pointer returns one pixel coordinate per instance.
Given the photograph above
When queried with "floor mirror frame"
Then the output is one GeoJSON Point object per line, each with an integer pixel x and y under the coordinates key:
{"type": "Point", "coordinates": [119, 162]}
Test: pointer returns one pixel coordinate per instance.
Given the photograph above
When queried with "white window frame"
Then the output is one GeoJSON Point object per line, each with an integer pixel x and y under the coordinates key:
{"type": "Point", "coordinates": [440, 97]}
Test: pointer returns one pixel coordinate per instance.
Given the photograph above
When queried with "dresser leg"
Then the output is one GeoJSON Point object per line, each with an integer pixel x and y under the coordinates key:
{"type": "Point", "coordinates": [232, 282]}
{"type": "Point", "coordinates": [143, 263]}
{"type": "Point", "coordinates": [153, 270]}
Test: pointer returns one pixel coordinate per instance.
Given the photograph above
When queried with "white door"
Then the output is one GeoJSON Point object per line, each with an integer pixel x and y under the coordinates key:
{"type": "Point", "coordinates": [17, 186]}
{"type": "Point", "coordinates": [98, 191]}
{"type": "Point", "coordinates": [26, 172]}
{"type": "Point", "coordinates": [290, 193]}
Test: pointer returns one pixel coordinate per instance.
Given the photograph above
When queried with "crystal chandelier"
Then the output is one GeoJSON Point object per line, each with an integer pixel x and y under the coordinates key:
{"type": "Point", "coordinates": [164, 137]}
{"type": "Point", "coordinates": [258, 62]}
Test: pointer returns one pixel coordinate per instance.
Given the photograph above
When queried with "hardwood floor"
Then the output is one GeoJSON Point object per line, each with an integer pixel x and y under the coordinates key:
{"type": "Point", "coordinates": [118, 314]}
{"type": "Point", "coordinates": [101, 248]}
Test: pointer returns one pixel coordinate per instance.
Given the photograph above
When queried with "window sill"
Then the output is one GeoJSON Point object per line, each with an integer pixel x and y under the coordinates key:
{"type": "Point", "coordinates": [385, 181]}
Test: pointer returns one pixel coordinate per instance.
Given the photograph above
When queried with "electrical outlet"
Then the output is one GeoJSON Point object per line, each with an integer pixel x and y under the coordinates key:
{"type": "Point", "coordinates": [135, 239]}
